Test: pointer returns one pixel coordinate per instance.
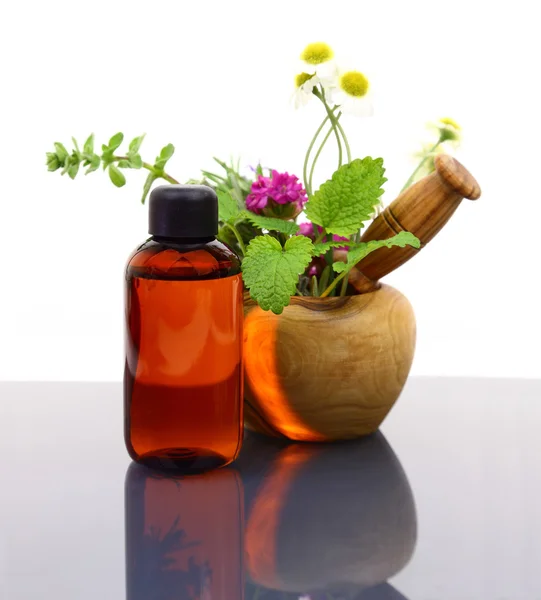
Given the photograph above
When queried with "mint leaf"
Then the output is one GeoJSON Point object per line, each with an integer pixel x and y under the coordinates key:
{"type": "Point", "coordinates": [228, 209]}
{"type": "Point", "coordinates": [148, 184]}
{"type": "Point", "coordinates": [116, 176]}
{"type": "Point", "coordinates": [271, 272]}
{"type": "Point", "coordinates": [88, 147]}
{"type": "Point", "coordinates": [324, 247]}
{"type": "Point", "coordinates": [270, 223]}
{"type": "Point", "coordinates": [115, 141]}
{"type": "Point", "coordinates": [165, 154]}
{"type": "Point", "coordinates": [347, 199]}
{"type": "Point", "coordinates": [135, 144]}
{"type": "Point", "coordinates": [359, 251]}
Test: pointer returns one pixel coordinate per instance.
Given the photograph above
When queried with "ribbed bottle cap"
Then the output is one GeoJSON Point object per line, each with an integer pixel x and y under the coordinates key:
{"type": "Point", "coordinates": [183, 211]}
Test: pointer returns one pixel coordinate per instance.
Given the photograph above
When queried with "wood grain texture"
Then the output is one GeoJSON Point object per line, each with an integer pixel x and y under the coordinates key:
{"type": "Point", "coordinates": [327, 368]}
{"type": "Point", "coordinates": [423, 209]}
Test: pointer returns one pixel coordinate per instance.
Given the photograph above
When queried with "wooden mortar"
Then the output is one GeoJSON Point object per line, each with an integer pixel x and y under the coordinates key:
{"type": "Point", "coordinates": [326, 368]}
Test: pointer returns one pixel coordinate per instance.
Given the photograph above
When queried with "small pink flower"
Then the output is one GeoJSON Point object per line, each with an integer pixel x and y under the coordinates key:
{"type": "Point", "coordinates": [307, 229]}
{"type": "Point", "coordinates": [267, 193]}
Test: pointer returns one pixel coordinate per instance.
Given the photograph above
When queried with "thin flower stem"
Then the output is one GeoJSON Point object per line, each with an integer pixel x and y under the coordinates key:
{"type": "Point", "coordinates": [307, 157]}
{"type": "Point", "coordinates": [420, 165]}
{"type": "Point", "coordinates": [332, 118]}
{"type": "Point", "coordinates": [344, 137]}
{"type": "Point", "coordinates": [239, 238]}
{"type": "Point", "coordinates": [319, 150]}
{"type": "Point", "coordinates": [335, 282]}
{"type": "Point", "coordinates": [320, 236]}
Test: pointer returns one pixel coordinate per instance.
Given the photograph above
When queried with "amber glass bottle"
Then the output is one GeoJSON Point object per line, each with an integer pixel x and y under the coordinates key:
{"type": "Point", "coordinates": [184, 312]}
{"type": "Point", "coordinates": [184, 535]}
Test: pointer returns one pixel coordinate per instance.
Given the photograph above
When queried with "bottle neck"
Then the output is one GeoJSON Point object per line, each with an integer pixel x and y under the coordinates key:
{"type": "Point", "coordinates": [183, 241]}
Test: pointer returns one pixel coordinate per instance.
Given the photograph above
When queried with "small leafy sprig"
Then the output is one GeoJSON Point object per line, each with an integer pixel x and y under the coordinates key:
{"type": "Point", "coordinates": [111, 162]}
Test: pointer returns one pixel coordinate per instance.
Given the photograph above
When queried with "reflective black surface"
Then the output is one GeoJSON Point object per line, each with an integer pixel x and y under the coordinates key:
{"type": "Point", "coordinates": [444, 504]}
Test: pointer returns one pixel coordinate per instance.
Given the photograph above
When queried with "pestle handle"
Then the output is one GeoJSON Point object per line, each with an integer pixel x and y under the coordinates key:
{"type": "Point", "coordinates": [423, 209]}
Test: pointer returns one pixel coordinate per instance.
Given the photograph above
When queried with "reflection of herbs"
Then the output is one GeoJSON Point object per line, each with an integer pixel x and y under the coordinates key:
{"type": "Point", "coordinates": [156, 574]}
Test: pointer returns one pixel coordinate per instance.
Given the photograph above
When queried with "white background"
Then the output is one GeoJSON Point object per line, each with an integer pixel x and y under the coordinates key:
{"type": "Point", "coordinates": [215, 78]}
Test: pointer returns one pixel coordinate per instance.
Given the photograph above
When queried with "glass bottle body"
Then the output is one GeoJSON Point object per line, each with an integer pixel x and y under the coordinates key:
{"type": "Point", "coordinates": [183, 371]}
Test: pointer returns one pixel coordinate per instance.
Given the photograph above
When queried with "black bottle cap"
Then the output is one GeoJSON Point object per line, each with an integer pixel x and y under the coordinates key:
{"type": "Point", "coordinates": [183, 211]}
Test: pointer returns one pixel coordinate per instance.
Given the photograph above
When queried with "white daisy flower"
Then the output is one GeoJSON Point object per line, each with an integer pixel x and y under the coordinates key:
{"type": "Point", "coordinates": [352, 93]}
{"type": "Point", "coordinates": [318, 58]}
{"type": "Point", "coordinates": [305, 84]}
{"type": "Point", "coordinates": [449, 130]}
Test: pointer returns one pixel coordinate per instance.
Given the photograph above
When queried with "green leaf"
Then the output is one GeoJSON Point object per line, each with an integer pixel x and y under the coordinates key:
{"type": "Point", "coordinates": [88, 148]}
{"type": "Point", "coordinates": [270, 223]}
{"type": "Point", "coordinates": [76, 146]}
{"type": "Point", "coordinates": [228, 209]}
{"type": "Point", "coordinates": [116, 176]}
{"type": "Point", "coordinates": [135, 161]}
{"type": "Point", "coordinates": [135, 144]}
{"type": "Point", "coordinates": [271, 272]}
{"type": "Point", "coordinates": [61, 152]}
{"type": "Point", "coordinates": [52, 161]}
{"type": "Point", "coordinates": [359, 251]}
{"type": "Point", "coordinates": [347, 199]}
{"type": "Point", "coordinates": [124, 164]}
{"type": "Point", "coordinates": [165, 154]}
{"type": "Point", "coordinates": [94, 164]}
{"type": "Point", "coordinates": [324, 247]}
{"type": "Point", "coordinates": [73, 170]}
{"type": "Point", "coordinates": [148, 184]}
{"type": "Point", "coordinates": [115, 141]}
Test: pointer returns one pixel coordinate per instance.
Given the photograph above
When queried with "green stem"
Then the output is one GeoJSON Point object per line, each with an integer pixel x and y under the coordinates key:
{"type": "Point", "coordinates": [320, 236]}
{"type": "Point", "coordinates": [335, 282]}
{"type": "Point", "coordinates": [420, 165]}
{"type": "Point", "coordinates": [151, 168]}
{"type": "Point", "coordinates": [239, 238]}
{"type": "Point", "coordinates": [344, 287]}
{"type": "Point", "coordinates": [344, 137]}
{"type": "Point", "coordinates": [307, 157]}
{"type": "Point", "coordinates": [317, 156]}
{"type": "Point", "coordinates": [332, 118]}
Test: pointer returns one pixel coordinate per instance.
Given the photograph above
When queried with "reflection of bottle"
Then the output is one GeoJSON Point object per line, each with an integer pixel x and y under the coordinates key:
{"type": "Point", "coordinates": [335, 519]}
{"type": "Point", "coordinates": [184, 536]}
{"type": "Point", "coordinates": [184, 313]}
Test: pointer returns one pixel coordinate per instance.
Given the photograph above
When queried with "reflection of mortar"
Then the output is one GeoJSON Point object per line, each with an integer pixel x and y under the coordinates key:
{"type": "Point", "coordinates": [334, 518]}
{"type": "Point", "coordinates": [423, 209]}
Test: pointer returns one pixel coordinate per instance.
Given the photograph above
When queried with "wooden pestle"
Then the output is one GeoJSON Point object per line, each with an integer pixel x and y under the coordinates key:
{"type": "Point", "coordinates": [423, 209]}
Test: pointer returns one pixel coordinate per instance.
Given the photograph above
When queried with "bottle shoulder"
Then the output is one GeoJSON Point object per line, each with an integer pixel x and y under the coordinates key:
{"type": "Point", "coordinates": [179, 261]}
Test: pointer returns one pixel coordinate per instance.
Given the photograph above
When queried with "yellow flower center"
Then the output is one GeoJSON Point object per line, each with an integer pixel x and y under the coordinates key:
{"type": "Point", "coordinates": [302, 78]}
{"type": "Point", "coordinates": [317, 53]}
{"type": "Point", "coordinates": [354, 83]}
{"type": "Point", "coordinates": [449, 122]}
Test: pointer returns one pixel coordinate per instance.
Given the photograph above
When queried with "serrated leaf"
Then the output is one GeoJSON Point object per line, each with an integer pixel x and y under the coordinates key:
{"type": "Point", "coordinates": [228, 209]}
{"type": "Point", "coordinates": [271, 272]}
{"type": "Point", "coordinates": [359, 251]}
{"type": "Point", "coordinates": [88, 147]}
{"type": "Point", "coordinates": [73, 170]}
{"type": "Point", "coordinates": [343, 202]}
{"type": "Point", "coordinates": [116, 176]}
{"type": "Point", "coordinates": [94, 164]}
{"type": "Point", "coordinates": [270, 223]}
{"type": "Point", "coordinates": [323, 247]}
{"type": "Point", "coordinates": [115, 141]}
{"type": "Point", "coordinates": [146, 187]}
{"type": "Point", "coordinates": [61, 152]}
{"type": "Point", "coordinates": [135, 144]}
